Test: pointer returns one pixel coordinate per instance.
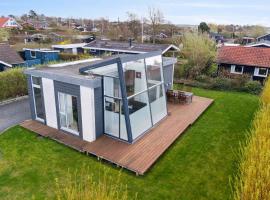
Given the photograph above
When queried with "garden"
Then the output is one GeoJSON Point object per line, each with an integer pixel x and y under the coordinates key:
{"type": "Point", "coordinates": [199, 165]}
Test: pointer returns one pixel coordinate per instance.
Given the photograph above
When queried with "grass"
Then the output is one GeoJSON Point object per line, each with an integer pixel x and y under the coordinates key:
{"type": "Point", "coordinates": [198, 166]}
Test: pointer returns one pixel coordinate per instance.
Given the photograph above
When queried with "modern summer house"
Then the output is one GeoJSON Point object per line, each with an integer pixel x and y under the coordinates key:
{"type": "Point", "coordinates": [240, 60]}
{"type": "Point", "coordinates": [122, 96]}
{"type": "Point", "coordinates": [113, 108]}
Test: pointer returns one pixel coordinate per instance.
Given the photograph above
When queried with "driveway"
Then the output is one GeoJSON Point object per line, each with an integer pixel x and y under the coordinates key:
{"type": "Point", "coordinates": [14, 113]}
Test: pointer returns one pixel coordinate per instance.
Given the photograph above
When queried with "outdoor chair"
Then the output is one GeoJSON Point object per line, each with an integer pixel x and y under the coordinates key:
{"type": "Point", "coordinates": [170, 96]}
{"type": "Point", "coordinates": [181, 97]}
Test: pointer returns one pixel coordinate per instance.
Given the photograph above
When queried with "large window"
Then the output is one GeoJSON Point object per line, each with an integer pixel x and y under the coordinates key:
{"type": "Point", "coordinates": [135, 79]}
{"type": "Point", "coordinates": [235, 69]}
{"type": "Point", "coordinates": [263, 72]}
{"type": "Point", "coordinates": [68, 113]}
{"type": "Point", "coordinates": [38, 100]}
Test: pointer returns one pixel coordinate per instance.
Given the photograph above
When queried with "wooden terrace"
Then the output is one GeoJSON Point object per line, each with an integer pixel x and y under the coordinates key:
{"type": "Point", "coordinates": [142, 154]}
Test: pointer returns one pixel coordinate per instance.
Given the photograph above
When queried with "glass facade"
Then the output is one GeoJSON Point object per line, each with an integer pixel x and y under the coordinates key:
{"type": "Point", "coordinates": [145, 103]}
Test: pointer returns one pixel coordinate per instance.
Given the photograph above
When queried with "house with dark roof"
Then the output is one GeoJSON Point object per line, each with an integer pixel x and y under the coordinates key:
{"type": "Point", "coordinates": [75, 49]}
{"type": "Point", "coordinates": [263, 38]}
{"type": "Point", "coordinates": [263, 43]}
{"type": "Point", "coordinates": [8, 22]}
{"type": "Point", "coordinates": [107, 47]}
{"type": "Point", "coordinates": [9, 57]}
{"type": "Point", "coordinates": [245, 60]}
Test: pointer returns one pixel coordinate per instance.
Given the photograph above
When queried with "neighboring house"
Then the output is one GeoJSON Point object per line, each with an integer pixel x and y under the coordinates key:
{"type": "Point", "coordinates": [248, 40]}
{"type": "Point", "coordinates": [8, 22]}
{"type": "Point", "coordinates": [216, 37]}
{"type": "Point", "coordinates": [101, 47]}
{"type": "Point", "coordinates": [245, 60]}
{"type": "Point", "coordinates": [265, 37]}
{"type": "Point", "coordinates": [121, 96]}
{"type": "Point", "coordinates": [39, 56]}
{"type": "Point", "coordinates": [70, 48]}
{"type": "Point", "coordinates": [38, 37]}
{"type": "Point", "coordinates": [263, 43]}
{"type": "Point", "coordinates": [9, 57]}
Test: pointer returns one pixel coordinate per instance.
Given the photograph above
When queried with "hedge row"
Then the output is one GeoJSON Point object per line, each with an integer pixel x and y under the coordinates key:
{"type": "Point", "coordinates": [12, 84]}
{"type": "Point", "coordinates": [253, 180]}
{"type": "Point", "coordinates": [222, 83]}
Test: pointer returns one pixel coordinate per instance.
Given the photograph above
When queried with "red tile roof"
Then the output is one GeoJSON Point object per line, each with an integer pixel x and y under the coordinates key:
{"type": "Point", "coordinates": [3, 20]}
{"type": "Point", "coordinates": [251, 56]}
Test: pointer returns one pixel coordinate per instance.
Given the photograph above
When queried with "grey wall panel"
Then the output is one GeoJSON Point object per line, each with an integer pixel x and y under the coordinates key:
{"type": "Point", "coordinates": [99, 112]}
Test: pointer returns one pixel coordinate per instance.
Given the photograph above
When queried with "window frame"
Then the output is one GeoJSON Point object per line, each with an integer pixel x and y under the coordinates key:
{"type": "Point", "coordinates": [233, 69]}
{"type": "Point", "coordinates": [34, 100]}
{"type": "Point", "coordinates": [257, 70]}
{"type": "Point", "coordinates": [31, 54]}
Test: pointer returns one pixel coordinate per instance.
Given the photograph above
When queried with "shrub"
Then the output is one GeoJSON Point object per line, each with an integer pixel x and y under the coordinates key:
{"type": "Point", "coordinates": [83, 187]}
{"type": "Point", "coordinates": [253, 87]}
{"type": "Point", "coordinates": [70, 56]}
{"type": "Point", "coordinates": [220, 83]}
{"type": "Point", "coordinates": [12, 83]}
{"type": "Point", "coordinates": [253, 180]}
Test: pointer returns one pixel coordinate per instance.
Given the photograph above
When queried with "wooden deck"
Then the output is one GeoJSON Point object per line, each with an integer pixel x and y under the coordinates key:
{"type": "Point", "coordinates": [141, 155]}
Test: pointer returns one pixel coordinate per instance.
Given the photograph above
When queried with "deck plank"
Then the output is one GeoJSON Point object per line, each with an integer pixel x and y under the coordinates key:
{"type": "Point", "coordinates": [143, 153]}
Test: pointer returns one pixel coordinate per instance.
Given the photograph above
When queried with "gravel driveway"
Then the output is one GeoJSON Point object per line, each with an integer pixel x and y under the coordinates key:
{"type": "Point", "coordinates": [14, 113]}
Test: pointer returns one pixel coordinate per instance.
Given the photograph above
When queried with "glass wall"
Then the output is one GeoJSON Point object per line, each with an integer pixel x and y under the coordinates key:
{"type": "Point", "coordinates": [145, 93]}
{"type": "Point", "coordinates": [156, 88]}
{"type": "Point", "coordinates": [114, 118]}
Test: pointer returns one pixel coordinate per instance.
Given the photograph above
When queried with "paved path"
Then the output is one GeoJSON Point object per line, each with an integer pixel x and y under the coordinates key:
{"type": "Point", "coordinates": [14, 113]}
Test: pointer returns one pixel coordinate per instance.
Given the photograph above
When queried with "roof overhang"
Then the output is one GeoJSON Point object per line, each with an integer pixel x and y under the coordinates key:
{"type": "Point", "coordinates": [112, 49]}
{"type": "Point", "coordinates": [6, 64]}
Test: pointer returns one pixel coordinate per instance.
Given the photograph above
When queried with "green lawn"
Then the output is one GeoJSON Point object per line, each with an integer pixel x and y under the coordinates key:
{"type": "Point", "coordinates": [198, 166]}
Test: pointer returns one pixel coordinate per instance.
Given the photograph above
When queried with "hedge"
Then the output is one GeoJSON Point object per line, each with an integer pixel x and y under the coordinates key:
{"type": "Point", "coordinates": [253, 180]}
{"type": "Point", "coordinates": [12, 84]}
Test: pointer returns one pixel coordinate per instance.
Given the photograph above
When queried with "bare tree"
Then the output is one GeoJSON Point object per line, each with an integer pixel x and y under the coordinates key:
{"type": "Point", "coordinates": [134, 24]}
{"type": "Point", "coordinates": [156, 18]}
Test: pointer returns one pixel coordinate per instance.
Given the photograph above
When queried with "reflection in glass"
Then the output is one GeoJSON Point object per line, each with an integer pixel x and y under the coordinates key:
{"type": "Point", "coordinates": [68, 112]}
{"type": "Point", "coordinates": [154, 70]}
{"type": "Point", "coordinates": [157, 103]}
{"type": "Point", "coordinates": [135, 79]}
{"type": "Point", "coordinates": [38, 103]}
{"type": "Point", "coordinates": [111, 87]}
{"type": "Point", "coordinates": [139, 114]}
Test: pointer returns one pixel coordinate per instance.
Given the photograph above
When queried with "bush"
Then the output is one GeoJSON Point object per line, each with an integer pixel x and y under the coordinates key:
{"type": "Point", "coordinates": [12, 83]}
{"type": "Point", "coordinates": [71, 57]}
{"type": "Point", "coordinates": [220, 83]}
{"type": "Point", "coordinates": [253, 87]}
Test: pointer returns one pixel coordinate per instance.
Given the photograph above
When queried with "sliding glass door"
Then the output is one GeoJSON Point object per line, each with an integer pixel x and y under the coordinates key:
{"type": "Point", "coordinates": [38, 102]}
{"type": "Point", "coordinates": [68, 113]}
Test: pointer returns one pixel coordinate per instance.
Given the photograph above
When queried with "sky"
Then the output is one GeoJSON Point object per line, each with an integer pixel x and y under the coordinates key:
{"type": "Point", "coordinates": [176, 11]}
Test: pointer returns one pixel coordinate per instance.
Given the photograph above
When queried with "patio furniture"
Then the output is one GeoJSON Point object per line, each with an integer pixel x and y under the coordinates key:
{"type": "Point", "coordinates": [181, 97]}
{"type": "Point", "coordinates": [178, 96]}
{"type": "Point", "coordinates": [170, 96]}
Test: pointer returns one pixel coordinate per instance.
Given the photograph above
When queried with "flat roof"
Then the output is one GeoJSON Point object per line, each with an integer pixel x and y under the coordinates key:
{"type": "Point", "coordinates": [67, 72]}
{"type": "Point", "coordinates": [108, 45]}
{"type": "Point", "coordinates": [69, 46]}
